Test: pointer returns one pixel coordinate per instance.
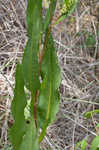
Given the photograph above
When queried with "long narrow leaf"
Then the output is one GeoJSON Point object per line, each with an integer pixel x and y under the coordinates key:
{"type": "Point", "coordinates": [30, 58]}
{"type": "Point", "coordinates": [18, 104]}
{"type": "Point", "coordinates": [31, 67]}
{"type": "Point", "coordinates": [49, 97]}
{"type": "Point", "coordinates": [49, 14]}
{"type": "Point", "coordinates": [95, 143]}
{"type": "Point", "coordinates": [30, 139]}
{"type": "Point", "coordinates": [69, 7]}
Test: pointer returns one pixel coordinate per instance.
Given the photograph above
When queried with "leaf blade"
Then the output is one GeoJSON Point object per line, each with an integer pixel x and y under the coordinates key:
{"type": "Point", "coordinates": [30, 140]}
{"type": "Point", "coordinates": [17, 108]}
{"type": "Point", "coordinates": [49, 95]}
{"type": "Point", "coordinates": [95, 143]}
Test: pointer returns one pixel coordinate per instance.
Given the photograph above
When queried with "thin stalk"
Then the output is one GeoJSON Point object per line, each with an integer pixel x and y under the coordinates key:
{"type": "Point", "coordinates": [40, 62]}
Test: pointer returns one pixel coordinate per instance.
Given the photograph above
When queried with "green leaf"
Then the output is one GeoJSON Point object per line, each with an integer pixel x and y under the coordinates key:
{"type": "Point", "coordinates": [49, 14]}
{"type": "Point", "coordinates": [22, 135]}
{"type": "Point", "coordinates": [49, 97]}
{"type": "Point", "coordinates": [17, 107]}
{"type": "Point", "coordinates": [34, 18]}
{"type": "Point", "coordinates": [30, 139]}
{"type": "Point", "coordinates": [77, 145]}
{"type": "Point", "coordinates": [68, 7]}
{"type": "Point", "coordinates": [97, 125]}
{"type": "Point", "coordinates": [95, 144]}
{"type": "Point", "coordinates": [31, 67]}
{"type": "Point", "coordinates": [82, 143]}
{"type": "Point", "coordinates": [30, 58]}
{"type": "Point", "coordinates": [90, 113]}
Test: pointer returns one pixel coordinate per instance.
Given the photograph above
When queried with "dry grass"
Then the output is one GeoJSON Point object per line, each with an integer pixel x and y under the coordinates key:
{"type": "Point", "coordinates": [78, 59]}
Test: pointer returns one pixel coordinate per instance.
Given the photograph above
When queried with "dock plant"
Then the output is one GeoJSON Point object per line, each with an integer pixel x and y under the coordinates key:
{"type": "Point", "coordinates": [37, 79]}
